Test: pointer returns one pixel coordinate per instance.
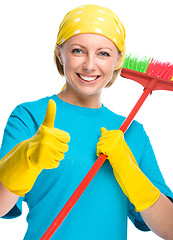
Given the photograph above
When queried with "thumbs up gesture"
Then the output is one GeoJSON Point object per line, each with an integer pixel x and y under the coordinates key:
{"type": "Point", "coordinates": [49, 144]}
{"type": "Point", "coordinates": [21, 166]}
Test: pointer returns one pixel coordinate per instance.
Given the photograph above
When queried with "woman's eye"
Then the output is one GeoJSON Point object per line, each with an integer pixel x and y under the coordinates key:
{"type": "Point", "coordinates": [104, 54]}
{"type": "Point", "coordinates": [77, 51]}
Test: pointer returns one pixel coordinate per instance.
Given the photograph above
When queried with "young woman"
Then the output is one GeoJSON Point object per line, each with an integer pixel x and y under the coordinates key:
{"type": "Point", "coordinates": [77, 128]}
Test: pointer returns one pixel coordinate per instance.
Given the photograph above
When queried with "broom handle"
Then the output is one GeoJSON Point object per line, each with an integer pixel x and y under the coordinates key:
{"type": "Point", "coordinates": [134, 111]}
{"type": "Point", "coordinates": [90, 175]}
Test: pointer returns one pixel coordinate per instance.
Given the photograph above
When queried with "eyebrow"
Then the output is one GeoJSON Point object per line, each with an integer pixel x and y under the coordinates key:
{"type": "Point", "coordinates": [84, 47]}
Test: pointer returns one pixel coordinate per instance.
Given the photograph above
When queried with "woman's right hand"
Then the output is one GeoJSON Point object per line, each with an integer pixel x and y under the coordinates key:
{"type": "Point", "coordinates": [22, 165]}
{"type": "Point", "coordinates": [47, 147]}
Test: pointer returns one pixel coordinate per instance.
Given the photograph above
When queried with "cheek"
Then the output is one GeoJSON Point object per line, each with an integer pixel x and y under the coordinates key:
{"type": "Point", "coordinates": [71, 66]}
{"type": "Point", "coordinates": [72, 63]}
{"type": "Point", "coordinates": [108, 67]}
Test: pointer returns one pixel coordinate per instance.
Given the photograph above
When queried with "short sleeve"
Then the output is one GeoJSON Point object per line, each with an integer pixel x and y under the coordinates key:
{"type": "Point", "coordinates": [149, 166]}
{"type": "Point", "coordinates": [16, 131]}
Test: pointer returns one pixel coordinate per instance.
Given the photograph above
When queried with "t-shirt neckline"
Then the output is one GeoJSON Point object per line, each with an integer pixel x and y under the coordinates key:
{"type": "Point", "coordinates": [78, 109]}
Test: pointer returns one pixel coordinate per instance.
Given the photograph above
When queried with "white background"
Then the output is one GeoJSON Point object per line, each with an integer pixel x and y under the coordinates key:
{"type": "Point", "coordinates": [27, 72]}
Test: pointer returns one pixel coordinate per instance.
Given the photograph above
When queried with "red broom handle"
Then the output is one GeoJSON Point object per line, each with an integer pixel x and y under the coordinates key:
{"type": "Point", "coordinates": [134, 111]}
{"type": "Point", "coordinates": [90, 175]}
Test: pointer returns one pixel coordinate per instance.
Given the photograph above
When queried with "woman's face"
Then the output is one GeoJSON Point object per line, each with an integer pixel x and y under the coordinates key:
{"type": "Point", "coordinates": [88, 61]}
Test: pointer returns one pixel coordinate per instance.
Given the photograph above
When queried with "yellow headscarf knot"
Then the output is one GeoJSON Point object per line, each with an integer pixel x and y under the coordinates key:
{"type": "Point", "coordinates": [93, 19]}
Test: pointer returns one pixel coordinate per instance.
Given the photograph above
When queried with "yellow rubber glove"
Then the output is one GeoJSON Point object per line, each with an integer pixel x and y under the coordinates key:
{"type": "Point", "coordinates": [135, 185]}
{"type": "Point", "coordinates": [21, 166]}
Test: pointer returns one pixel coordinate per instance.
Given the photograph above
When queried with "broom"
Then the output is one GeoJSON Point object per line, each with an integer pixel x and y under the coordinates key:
{"type": "Point", "coordinates": [152, 75]}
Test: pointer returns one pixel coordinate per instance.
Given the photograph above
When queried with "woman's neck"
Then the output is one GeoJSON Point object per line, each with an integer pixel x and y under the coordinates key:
{"type": "Point", "coordinates": [89, 101]}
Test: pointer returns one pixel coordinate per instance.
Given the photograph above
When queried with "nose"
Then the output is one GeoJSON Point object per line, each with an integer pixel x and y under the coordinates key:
{"type": "Point", "coordinates": [89, 64]}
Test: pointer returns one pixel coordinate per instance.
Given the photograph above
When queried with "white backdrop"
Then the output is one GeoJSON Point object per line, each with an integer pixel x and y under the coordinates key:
{"type": "Point", "coordinates": [27, 72]}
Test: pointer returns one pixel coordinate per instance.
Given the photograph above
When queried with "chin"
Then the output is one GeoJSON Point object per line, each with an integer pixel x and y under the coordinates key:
{"type": "Point", "coordinates": [89, 92]}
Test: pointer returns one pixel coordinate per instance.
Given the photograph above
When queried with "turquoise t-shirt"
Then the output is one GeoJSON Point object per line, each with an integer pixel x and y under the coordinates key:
{"type": "Point", "coordinates": [102, 211]}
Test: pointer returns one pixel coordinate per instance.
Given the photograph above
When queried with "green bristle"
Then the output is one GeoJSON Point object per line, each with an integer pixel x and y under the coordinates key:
{"type": "Point", "coordinates": [139, 64]}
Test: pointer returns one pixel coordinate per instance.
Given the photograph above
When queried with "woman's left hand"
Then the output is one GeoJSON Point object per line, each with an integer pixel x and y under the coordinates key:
{"type": "Point", "coordinates": [135, 185]}
{"type": "Point", "coordinates": [113, 145]}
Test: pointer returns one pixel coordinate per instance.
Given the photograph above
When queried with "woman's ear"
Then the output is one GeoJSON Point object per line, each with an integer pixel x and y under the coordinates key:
{"type": "Point", "coordinates": [58, 54]}
{"type": "Point", "coordinates": [118, 59]}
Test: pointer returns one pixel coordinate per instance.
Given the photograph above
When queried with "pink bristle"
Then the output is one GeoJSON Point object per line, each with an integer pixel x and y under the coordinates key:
{"type": "Point", "coordinates": [159, 69]}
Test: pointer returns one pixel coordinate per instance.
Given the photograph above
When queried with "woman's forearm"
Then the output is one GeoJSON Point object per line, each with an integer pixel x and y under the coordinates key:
{"type": "Point", "coordinates": [159, 217]}
{"type": "Point", "coordinates": [7, 200]}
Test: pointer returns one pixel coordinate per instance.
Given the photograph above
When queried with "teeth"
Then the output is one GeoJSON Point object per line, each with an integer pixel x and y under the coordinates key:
{"type": "Point", "coordinates": [87, 78]}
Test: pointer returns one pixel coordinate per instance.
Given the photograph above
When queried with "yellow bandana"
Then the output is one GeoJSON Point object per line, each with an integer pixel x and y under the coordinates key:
{"type": "Point", "coordinates": [93, 19]}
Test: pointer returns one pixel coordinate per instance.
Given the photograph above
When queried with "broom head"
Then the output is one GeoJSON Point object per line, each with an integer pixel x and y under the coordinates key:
{"type": "Point", "coordinates": [150, 73]}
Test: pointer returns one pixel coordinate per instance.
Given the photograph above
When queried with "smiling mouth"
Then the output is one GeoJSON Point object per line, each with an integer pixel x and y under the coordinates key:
{"type": "Point", "coordinates": [88, 78]}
